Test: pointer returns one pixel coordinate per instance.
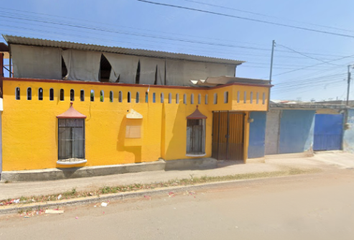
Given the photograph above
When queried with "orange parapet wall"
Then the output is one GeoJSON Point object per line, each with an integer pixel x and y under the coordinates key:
{"type": "Point", "coordinates": [30, 127]}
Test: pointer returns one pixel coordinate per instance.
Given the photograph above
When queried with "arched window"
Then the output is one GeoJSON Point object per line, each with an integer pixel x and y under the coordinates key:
{"type": "Point", "coordinates": [120, 96]}
{"type": "Point", "coordinates": [199, 99]}
{"type": "Point", "coordinates": [146, 97]}
{"type": "Point", "coordinates": [169, 98]}
{"type": "Point", "coordinates": [185, 98]}
{"type": "Point", "coordinates": [162, 97]}
{"type": "Point", "coordinates": [101, 95]}
{"type": "Point", "coordinates": [177, 98]}
{"type": "Point", "coordinates": [92, 96]}
{"type": "Point", "coordinates": [40, 94]}
{"type": "Point", "coordinates": [61, 97]}
{"type": "Point", "coordinates": [128, 97]}
{"type": "Point", "coordinates": [51, 94]}
{"type": "Point", "coordinates": [215, 98]}
{"type": "Point", "coordinates": [137, 97]}
{"type": "Point", "coordinates": [244, 97]}
{"type": "Point", "coordinates": [72, 95]}
{"type": "Point", "coordinates": [206, 98]}
{"type": "Point", "coordinates": [82, 95]}
{"type": "Point", "coordinates": [238, 96]}
{"type": "Point", "coordinates": [226, 97]}
{"type": "Point", "coordinates": [111, 96]}
{"type": "Point", "coordinates": [257, 98]}
{"type": "Point", "coordinates": [192, 98]}
{"type": "Point", "coordinates": [29, 93]}
{"type": "Point", "coordinates": [251, 97]}
{"type": "Point", "coordinates": [17, 93]}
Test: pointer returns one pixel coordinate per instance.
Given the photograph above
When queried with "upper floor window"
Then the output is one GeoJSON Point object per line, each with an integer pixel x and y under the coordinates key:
{"type": "Point", "coordinates": [40, 94]}
{"type": "Point", "coordinates": [92, 96]}
{"type": "Point", "coordinates": [120, 96]}
{"type": "Point", "coordinates": [72, 95]}
{"type": "Point", "coordinates": [17, 93]}
{"type": "Point", "coordinates": [137, 97]}
{"type": "Point", "coordinates": [51, 94]}
{"type": "Point", "coordinates": [111, 96]}
{"type": "Point", "coordinates": [29, 93]}
{"type": "Point", "coordinates": [82, 95]}
{"type": "Point", "coordinates": [226, 97]}
{"type": "Point", "coordinates": [128, 97]}
{"type": "Point", "coordinates": [101, 95]}
{"type": "Point", "coordinates": [61, 94]}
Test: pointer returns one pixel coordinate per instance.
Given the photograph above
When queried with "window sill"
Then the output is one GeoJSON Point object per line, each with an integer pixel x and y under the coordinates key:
{"type": "Point", "coordinates": [195, 155]}
{"type": "Point", "coordinates": [71, 162]}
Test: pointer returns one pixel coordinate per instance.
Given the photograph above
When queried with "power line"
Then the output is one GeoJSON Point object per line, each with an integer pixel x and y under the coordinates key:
{"type": "Point", "coordinates": [304, 54]}
{"type": "Point", "coordinates": [87, 27]}
{"type": "Point", "coordinates": [248, 19]}
{"type": "Point", "coordinates": [264, 15]}
{"type": "Point", "coordinates": [312, 65]}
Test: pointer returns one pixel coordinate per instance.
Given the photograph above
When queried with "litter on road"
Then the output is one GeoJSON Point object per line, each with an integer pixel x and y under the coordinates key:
{"type": "Point", "coordinates": [54, 211]}
{"type": "Point", "coordinates": [104, 204]}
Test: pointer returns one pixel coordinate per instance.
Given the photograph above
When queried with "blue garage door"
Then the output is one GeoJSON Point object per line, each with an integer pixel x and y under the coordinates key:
{"type": "Point", "coordinates": [328, 132]}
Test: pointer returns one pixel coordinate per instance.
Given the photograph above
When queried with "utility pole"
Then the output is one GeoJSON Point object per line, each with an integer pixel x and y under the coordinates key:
{"type": "Point", "coordinates": [271, 62]}
{"type": "Point", "coordinates": [348, 86]}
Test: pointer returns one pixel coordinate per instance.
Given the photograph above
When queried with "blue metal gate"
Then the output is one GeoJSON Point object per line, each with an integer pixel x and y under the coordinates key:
{"type": "Point", "coordinates": [328, 132]}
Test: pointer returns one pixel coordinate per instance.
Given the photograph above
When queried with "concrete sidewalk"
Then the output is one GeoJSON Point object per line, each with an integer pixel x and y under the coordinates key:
{"type": "Point", "coordinates": [18, 189]}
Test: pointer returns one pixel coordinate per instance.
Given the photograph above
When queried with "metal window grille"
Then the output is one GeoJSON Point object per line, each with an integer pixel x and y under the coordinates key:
{"type": "Point", "coordinates": [71, 138]}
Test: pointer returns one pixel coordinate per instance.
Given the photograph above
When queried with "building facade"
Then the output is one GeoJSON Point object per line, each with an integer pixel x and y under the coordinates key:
{"type": "Point", "coordinates": [73, 105]}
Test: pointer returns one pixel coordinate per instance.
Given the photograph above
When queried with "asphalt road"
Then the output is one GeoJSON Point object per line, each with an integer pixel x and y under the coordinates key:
{"type": "Point", "coordinates": [317, 206]}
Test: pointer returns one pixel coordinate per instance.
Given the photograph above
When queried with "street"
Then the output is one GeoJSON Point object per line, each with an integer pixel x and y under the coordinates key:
{"type": "Point", "coordinates": [314, 206]}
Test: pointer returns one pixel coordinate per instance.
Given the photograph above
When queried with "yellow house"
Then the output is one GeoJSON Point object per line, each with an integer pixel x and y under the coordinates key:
{"type": "Point", "coordinates": [70, 105]}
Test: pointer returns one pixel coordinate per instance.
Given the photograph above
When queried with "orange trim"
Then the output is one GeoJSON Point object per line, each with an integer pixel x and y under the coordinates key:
{"type": "Point", "coordinates": [128, 85]}
{"type": "Point", "coordinates": [71, 113]}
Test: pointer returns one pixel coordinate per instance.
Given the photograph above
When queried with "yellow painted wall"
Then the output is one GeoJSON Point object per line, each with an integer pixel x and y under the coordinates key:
{"type": "Point", "coordinates": [30, 128]}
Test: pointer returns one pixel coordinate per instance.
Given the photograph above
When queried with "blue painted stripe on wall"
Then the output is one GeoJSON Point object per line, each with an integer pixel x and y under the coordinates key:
{"type": "Point", "coordinates": [257, 135]}
{"type": "Point", "coordinates": [296, 131]}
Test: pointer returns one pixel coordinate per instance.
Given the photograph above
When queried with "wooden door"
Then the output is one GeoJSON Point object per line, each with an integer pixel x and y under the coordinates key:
{"type": "Point", "coordinates": [227, 139]}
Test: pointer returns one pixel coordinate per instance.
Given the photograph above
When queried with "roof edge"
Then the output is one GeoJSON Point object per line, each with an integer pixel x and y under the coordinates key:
{"type": "Point", "coordinates": [12, 39]}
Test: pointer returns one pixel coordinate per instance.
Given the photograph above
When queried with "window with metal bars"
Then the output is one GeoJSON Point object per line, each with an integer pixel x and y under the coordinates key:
{"type": "Point", "coordinates": [71, 138]}
{"type": "Point", "coordinates": [195, 136]}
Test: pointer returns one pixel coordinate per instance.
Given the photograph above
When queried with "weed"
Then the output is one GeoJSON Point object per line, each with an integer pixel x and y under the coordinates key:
{"type": "Point", "coordinates": [192, 180]}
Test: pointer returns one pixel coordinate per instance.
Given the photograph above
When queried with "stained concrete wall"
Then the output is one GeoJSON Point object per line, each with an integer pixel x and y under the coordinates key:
{"type": "Point", "coordinates": [296, 131]}
{"type": "Point", "coordinates": [348, 137]}
{"type": "Point", "coordinates": [257, 135]}
{"type": "Point", "coordinates": [272, 132]}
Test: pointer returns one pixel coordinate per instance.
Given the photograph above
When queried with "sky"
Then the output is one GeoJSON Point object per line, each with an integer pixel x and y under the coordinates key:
{"type": "Point", "coordinates": [314, 39]}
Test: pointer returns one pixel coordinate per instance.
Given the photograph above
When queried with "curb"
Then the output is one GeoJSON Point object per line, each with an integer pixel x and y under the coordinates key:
{"type": "Point", "coordinates": [129, 195]}
{"type": "Point", "coordinates": [124, 195]}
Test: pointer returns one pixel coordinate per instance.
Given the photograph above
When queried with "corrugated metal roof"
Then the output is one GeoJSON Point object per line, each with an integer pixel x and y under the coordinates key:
{"type": "Point", "coordinates": [129, 51]}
